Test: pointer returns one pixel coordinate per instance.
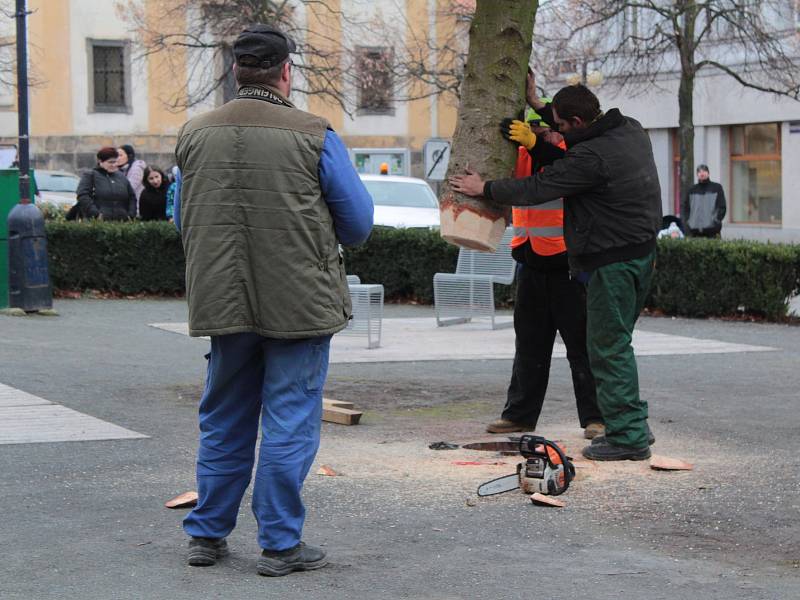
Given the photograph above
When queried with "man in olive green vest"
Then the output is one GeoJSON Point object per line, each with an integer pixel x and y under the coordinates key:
{"type": "Point", "coordinates": [267, 195]}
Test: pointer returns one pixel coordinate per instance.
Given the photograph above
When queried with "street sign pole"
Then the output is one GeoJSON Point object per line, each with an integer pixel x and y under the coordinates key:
{"type": "Point", "coordinates": [22, 103]}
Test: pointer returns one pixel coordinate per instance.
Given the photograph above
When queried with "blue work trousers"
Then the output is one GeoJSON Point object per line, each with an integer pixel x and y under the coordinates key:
{"type": "Point", "coordinates": [281, 381]}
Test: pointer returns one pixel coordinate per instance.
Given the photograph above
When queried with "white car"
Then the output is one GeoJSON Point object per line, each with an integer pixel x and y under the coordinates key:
{"type": "Point", "coordinates": [56, 187]}
{"type": "Point", "coordinates": [402, 201]}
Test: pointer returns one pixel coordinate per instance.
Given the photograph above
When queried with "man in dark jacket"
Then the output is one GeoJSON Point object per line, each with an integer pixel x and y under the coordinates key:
{"type": "Point", "coordinates": [704, 208]}
{"type": "Point", "coordinates": [267, 194]}
{"type": "Point", "coordinates": [612, 215]}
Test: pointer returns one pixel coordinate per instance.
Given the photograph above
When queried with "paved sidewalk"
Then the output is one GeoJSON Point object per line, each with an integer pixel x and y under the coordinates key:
{"type": "Point", "coordinates": [85, 519]}
{"type": "Point", "coordinates": [419, 339]}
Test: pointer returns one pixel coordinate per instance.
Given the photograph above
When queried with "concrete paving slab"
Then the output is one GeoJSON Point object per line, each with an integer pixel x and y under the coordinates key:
{"type": "Point", "coordinates": [10, 396]}
{"type": "Point", "coordinates": [26, 419]}
{"type": "Point", "coordinates": [419, 339]}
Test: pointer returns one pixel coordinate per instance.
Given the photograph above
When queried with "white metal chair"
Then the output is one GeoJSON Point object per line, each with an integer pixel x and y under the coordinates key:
{"type": "Point", "coordinates": [469, 292]}
{"type": "Point", "coordinates": [367, 300]}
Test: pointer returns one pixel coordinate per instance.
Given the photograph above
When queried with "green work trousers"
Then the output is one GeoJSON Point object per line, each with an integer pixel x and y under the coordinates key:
{"type": "Point", "coordinates": [616, 296]}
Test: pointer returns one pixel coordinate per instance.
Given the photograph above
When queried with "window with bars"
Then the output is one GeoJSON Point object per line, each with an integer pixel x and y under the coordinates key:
{"type": "Point", "coordinates": [110, 77]}
{"type": "Point", "coordinates": [375, 82]}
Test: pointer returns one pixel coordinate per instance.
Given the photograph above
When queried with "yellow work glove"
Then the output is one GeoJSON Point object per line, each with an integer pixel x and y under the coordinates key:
{"type": "Point", "coordinates": [520, 132]}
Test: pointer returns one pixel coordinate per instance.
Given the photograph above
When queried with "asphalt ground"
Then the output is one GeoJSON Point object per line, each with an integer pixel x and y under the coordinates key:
{"type": "Point", "coordinates": [86, 519]}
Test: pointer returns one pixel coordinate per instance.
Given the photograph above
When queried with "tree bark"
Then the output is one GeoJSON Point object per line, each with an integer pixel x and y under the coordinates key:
{"type": "Point", "coordinates": [686, 133]}
{"type": "Point", "coordinates": [686, 48]}
{"type": "Point", "coordinates": [493, 88]}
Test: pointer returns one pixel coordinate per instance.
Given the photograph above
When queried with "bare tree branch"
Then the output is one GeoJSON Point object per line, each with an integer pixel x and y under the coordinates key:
{"type": "Point", "coordinates": [639, 44]}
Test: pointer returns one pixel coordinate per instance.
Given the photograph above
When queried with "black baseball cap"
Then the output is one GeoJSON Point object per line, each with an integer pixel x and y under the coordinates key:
{"type": "Point", "coordinates": [269, 46]}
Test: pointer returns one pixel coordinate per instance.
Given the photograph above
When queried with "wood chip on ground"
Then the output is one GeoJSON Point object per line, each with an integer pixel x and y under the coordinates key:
{"type": "Point", "coordinates": [665, 463]}
{"type": "Point", "coordinates": [543, 500]}
{"type": "Point", "coordinates": [184, 500]}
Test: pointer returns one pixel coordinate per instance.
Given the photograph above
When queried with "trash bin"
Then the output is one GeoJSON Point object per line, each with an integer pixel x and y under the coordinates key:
{"type": "Point", "coordinates": [9, 198]}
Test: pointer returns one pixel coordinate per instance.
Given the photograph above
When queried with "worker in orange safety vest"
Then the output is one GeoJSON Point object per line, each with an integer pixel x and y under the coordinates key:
{"type": "Point", "coordinates": [548, 299]}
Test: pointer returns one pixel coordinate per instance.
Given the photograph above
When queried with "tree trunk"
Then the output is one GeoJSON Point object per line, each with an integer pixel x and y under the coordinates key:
{"type": "Point", "coordinates": [493, 88]}
{"type": "Point", "coordinates": [686, 49]}
{"type": "Point", "coordinates": [686, 134]}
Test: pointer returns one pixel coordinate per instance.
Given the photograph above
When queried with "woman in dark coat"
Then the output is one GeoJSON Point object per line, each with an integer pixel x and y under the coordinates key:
{"type": "Point", "coordinates": [153, 201]}
{"type": "Point", "coordinates": [104, 192]}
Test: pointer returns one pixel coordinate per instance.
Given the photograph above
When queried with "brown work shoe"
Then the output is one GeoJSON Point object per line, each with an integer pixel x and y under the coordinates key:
{"type": "Point", "coordinates": [506, 426]}
{"type": "Point", "coordinates": [593, 430]}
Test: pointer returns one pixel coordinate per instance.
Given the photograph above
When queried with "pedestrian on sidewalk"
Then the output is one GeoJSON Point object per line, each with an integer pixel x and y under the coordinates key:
{"type": "Point", "coordinates": [548, 299]}
{"type": "Point", "coordinates": [104, 193]}
{"type": "Point", "coordinates": [612, 215]}
{"type": "Point", "coordinates": [267, 194]}
{"type": "Point", "coordinates": [704, 207]}
{"type": "Point", "coordinates": [153, 201]}
{"type": "Point", "coordinates": [133, 168]}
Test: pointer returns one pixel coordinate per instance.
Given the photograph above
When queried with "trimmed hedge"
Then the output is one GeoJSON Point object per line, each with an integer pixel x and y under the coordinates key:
{"type": "Point", "coordinates": [696, 277]}
{"type": "Point", "coordinates": [703, 277]}
{"type": "Point", "coordinates": [120, 257]}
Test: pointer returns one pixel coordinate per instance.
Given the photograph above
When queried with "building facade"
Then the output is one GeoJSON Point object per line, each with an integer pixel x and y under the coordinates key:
{"type": "Point", "coordinates": [749, 139]}
{"type": "Point", "coordinates": [95, 82]}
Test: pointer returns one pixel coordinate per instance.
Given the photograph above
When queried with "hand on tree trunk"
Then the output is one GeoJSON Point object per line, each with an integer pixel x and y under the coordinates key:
{"type": "Point", "coordinates": [469, 184]}
{"type": "Point", "coordinates": [531, 97]}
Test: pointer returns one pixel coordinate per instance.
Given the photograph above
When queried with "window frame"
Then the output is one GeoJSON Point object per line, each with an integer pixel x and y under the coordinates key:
{"type": "Point", "coordinates": [747, 157]}
{"type": "Point", "coordinates": [94, 107]}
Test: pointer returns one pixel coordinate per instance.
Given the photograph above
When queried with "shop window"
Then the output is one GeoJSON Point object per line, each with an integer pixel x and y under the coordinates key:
{"type": "Point", "coordinates": [109, 76]}
{"type": "Point", "coordinates": [375, 81]}
{"type": "Point", "coordinates": [756, 173]}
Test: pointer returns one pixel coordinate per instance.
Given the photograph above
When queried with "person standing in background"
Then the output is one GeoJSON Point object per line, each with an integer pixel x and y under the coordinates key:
{"type": "Point", "coordinates": [132, 168]}
{"type": "Point", "coordinates": [704, 208]}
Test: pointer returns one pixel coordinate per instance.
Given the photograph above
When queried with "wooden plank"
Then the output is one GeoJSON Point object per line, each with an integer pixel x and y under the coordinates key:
{"type": "Point", "coordinates": [342, 416]}
{"type": "Point", "coordinates": [330, 403]}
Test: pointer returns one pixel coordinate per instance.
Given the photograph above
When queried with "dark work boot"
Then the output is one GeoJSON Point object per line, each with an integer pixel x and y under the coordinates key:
{"type": "Point", "coordinates": [605, 450]}
{"type": "Point", "coordinates": [204, 552]}
{"type": "Point", "coordinates": [651, 439]}
{"type": "Point", "coordinates": [300, 558]}
{"type": "Point", "coordinates": [506, 426]}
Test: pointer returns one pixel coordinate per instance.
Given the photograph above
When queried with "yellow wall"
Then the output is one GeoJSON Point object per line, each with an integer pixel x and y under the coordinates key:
{"type": "Point", "coordinates": [325, 33]}
{"type": "Point", "coordinates": [50, 101]}
{"type": "Point", "coordinates": [446, 104]}
{"type": "Point", "coordinates": [166, 72]}
{"type": "Point", "coordinates": [419, 112]}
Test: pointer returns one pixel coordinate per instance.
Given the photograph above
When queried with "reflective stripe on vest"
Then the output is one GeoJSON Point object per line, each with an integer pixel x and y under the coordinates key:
{"type": "Point", "coordinates": [542, 224]}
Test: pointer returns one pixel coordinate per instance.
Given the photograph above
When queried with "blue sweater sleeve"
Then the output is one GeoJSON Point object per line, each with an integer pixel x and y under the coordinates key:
{"type": "Point", "coordinates": [176, 207]}
{"type": "Point", "coordinates": [347, 198]}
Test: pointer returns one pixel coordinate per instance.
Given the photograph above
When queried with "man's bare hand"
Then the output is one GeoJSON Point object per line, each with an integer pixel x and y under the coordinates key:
{"type": "Point", "coordinates": [469, 184]}
{"type": "Point", "coordinates": [531, 95]}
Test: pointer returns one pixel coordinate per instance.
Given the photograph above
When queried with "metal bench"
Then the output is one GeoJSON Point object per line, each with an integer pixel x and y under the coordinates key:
{"type": "Point", "coordinates": [469, 292]}
{"type": "Point", "coordinates": [367, 300]}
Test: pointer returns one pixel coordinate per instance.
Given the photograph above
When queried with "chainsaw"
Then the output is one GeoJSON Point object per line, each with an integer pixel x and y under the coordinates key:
{"type": "Point", "coordinates": [546, 470]}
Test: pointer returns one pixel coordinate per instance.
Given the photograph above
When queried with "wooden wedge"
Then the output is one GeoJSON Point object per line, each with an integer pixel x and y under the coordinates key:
{"type": "Point", "coordinates": [328, 403]}
{"type": "Point", "coordinates": [342, 416]}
